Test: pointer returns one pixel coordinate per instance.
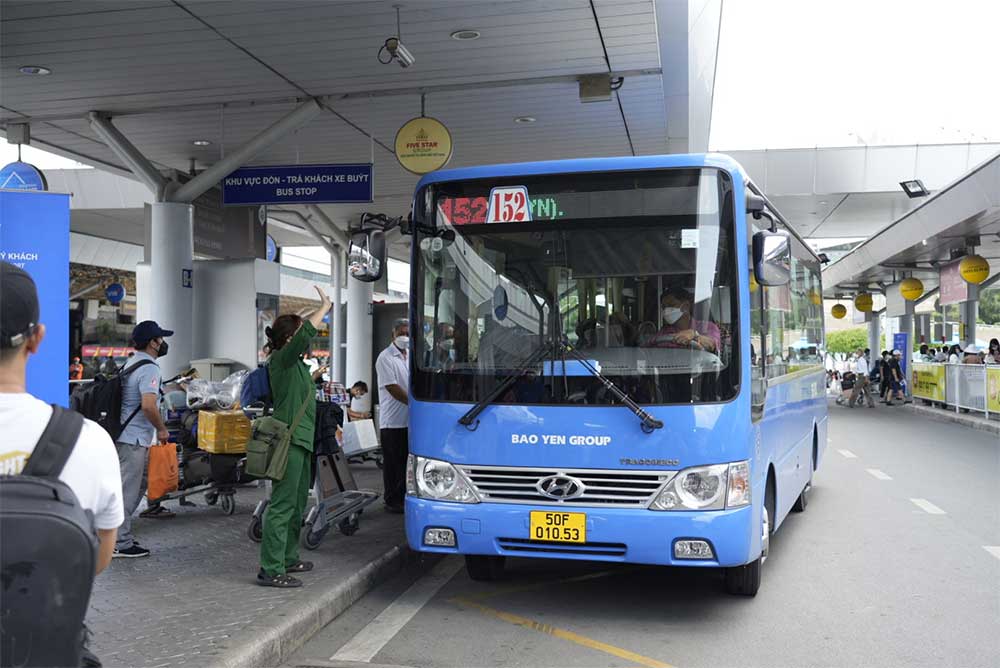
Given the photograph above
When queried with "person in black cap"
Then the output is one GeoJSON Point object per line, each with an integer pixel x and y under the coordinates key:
{"type": "Point", "coordinates": [91, 470]}
{"type": "Point", "coordinates": [141, 403]}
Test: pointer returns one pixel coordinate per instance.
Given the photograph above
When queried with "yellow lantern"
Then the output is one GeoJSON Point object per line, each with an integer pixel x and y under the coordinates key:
{"type": "Point", "coordinates": [838, 311]}
{"type": "Point", "coordinates": [816, 298]}
{"type": "Point", "coordinates": [911, 289]}
{"type": "Point", "coordinates": [974, 269]}
{"type": "Point", "coordinates": [863, 302]}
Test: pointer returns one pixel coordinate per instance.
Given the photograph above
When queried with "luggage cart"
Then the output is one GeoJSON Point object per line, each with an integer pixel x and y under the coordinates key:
{"type": "Point", "coordinates": [340, 503]}
{"type": "Point", "coordinates": [217, 476]}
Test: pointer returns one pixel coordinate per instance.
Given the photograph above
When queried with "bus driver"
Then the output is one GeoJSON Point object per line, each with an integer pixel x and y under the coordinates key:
{"type": "Point", "coordinates": [680, 329]}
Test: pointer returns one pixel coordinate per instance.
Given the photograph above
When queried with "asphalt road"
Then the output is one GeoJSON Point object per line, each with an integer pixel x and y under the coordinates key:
{"type": "Point", "coordinates": [889, 566]}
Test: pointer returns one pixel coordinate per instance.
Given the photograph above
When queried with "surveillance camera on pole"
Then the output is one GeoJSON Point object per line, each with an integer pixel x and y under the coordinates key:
{"type": "Point", "coordinates": [398, 52]}
{"type": "Point", "coordinates": [393, 46]}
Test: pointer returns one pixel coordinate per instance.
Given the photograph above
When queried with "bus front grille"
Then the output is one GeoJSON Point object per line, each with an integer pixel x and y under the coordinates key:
{"type": "Point", "coordinates": [625, 489]}
{"type": "Point", "coordinates": [523, 546]}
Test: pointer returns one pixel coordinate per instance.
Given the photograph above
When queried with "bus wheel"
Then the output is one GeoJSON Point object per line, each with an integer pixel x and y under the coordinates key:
{"type": "Point", "coordinates": [484, 569]}
{"type": "Point", "coordinates": [745, 580]}
{"type": "Point", "coordinates": [800, 503]}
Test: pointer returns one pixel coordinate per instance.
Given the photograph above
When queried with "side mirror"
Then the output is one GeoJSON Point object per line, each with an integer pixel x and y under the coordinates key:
{"type": "Point", "coordinates": [772, 258]}
{"type": "Point", "coordinates": [366, 255]}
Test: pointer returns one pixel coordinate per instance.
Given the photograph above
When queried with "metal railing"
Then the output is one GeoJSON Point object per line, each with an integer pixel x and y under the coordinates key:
{"type": "Point", "coordinates": [973, 387]}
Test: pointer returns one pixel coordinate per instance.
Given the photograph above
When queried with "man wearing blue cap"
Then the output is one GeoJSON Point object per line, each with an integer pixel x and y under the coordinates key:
{"type": "Point", "coordinates": [143, 427]}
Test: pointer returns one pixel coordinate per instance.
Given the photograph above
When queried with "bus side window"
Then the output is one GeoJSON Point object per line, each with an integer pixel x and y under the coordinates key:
{"type": "Point", "coordinates": [758, 334]}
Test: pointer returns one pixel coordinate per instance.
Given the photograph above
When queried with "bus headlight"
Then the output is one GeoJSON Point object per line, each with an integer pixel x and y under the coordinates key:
{"type": "Point", "coordinates": [438, 480]}
{"type": "Point", "coordinates": [706, 488]}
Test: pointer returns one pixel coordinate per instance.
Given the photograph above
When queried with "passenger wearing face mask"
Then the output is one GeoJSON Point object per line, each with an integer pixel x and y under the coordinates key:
{"type": "Point", "coordinates": [443, 355]}
{"type": "Point", "coordinates": [144, 427]}
{"type": "Point", "coordinates": [680, 329]}
{"type": "Point", "coordinates": [294, 393]}
{"type": "Point", "coordinates": [393, 371]}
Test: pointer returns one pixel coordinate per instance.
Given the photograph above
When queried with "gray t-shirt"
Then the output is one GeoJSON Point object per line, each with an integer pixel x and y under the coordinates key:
{"type": "Point", "coordinates": [144, 380]}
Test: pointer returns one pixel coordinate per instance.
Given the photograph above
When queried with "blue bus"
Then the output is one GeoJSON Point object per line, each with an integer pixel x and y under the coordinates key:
{"type": "Point", "coordinates": [612, 359]}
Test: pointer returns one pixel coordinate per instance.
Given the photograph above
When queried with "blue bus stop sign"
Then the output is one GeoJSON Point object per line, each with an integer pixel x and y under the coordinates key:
{"type": "Point", "coordinates": [22, 176]}
{"type": "Point", "coordinates": [115, 293]}
{"type": "Point", "coordinates": [272, 249]}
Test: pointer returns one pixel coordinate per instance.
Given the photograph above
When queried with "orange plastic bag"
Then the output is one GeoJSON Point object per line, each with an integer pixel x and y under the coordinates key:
{"type": "Point", "coordinates": [162, 471]}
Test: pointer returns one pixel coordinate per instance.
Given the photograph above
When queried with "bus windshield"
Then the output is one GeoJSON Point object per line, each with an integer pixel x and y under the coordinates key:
{"type": "Point", "coordinates": [636, 271]}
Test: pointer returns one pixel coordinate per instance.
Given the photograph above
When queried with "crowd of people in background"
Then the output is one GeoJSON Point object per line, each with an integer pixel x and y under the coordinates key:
{"type": "Point", "coordinates": [855, 379]}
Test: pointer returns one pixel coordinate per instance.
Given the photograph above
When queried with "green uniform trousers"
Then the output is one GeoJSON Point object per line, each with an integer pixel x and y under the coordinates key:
{"type": "Point", "coordinates": [283, 518]}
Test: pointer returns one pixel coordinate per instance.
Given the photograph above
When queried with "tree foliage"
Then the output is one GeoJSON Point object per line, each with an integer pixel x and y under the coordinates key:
{"type": "Point", "coordinates": [989, 307]}
{"type": "Point", "coordinates": [847, 340]}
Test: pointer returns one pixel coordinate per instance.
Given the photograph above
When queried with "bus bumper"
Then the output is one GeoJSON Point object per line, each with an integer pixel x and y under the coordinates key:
{"type": "Point", "coordinates": [631, 535]}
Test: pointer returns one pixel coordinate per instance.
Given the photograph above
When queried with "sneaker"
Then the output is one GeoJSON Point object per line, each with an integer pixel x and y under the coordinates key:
{"type": "Point", "coordinates": [158, 512]}
{"type": "Point", "coordinates": [131, 552]}
{"type": "Point", "coordinates": [394, 509]}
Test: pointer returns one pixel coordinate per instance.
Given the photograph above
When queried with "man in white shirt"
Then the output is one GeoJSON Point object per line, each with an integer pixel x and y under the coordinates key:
{"type": "Point", "coordinates": [862, 383]}
{"type": "Point", "coordinates": [92, 468]}
{"type": "Point", "coordinates": [393, 372]}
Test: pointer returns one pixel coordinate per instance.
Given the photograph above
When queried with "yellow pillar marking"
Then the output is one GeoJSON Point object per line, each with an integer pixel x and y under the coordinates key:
{"type": "Point", "coordinates": [563, 634]}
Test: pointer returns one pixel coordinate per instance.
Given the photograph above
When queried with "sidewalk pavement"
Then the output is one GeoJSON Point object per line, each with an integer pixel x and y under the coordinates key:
{"type": "Point", "coordinates": [972, 419]}
{"type": "Point", "coordinates": [194, 601]}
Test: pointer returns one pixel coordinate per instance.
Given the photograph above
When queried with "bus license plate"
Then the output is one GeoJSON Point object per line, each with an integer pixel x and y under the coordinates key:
{"type": "Point", "coordinates": [558, 527]}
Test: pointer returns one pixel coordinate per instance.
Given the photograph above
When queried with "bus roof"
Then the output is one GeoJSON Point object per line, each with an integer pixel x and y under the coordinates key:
{"type": "Point", "coordinates": [576, 166]}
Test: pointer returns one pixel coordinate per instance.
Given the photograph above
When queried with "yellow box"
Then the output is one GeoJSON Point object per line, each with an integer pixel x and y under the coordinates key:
{"type": "Point", "coordinates": [223, 432]}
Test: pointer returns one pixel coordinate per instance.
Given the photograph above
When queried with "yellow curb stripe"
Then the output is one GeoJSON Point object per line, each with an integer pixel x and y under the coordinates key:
{"type": "Point", "coordinates": [563, 634]}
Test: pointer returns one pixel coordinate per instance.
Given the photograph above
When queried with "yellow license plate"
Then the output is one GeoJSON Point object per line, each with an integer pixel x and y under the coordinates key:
{"type": "Point", "coordinates": [558, 527]}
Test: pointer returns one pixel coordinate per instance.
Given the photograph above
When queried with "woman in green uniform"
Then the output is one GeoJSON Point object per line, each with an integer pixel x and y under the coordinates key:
{"type": "Point", "coordinates": [294, 395]}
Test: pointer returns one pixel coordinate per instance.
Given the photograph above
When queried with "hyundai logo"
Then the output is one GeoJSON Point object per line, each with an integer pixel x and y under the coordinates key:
{"type": "Point", "coordinates": [560, 487]}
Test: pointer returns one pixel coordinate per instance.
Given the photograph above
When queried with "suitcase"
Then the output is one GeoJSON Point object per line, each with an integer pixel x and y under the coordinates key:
{"type": "Point", "coordinates": [334, 474]}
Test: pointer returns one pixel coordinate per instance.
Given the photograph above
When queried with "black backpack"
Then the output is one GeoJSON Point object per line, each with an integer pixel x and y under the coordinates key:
{"type": "Point", "coordinates": [47, 556]}
{"type": "Point", "coordinates": [101, 400]}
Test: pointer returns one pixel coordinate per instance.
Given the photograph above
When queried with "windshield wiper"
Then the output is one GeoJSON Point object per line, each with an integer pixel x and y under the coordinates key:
{"type": "Point", "coordinates": [649, 423]}
{"type": "Point", "coordinates": [470, 417]}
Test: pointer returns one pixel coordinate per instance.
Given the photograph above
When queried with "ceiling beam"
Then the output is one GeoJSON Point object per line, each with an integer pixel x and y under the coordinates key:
{"type": "Point", "coordinates": [232, 161]}
{"type": "Point", "coordinates": [336, 97]}
{"type": "Point", "coordinates": [127, 152]}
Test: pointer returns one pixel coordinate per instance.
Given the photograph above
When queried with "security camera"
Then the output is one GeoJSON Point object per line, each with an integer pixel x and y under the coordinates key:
{"type": "Point", "coordinates": [398, 52]}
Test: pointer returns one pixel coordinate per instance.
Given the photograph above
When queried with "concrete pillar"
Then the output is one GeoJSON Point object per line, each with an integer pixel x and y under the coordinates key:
{"type": "Point", "coordinates": [359, 361]}
{"type": "Point", "coordinates": [337, 319]}
{"type": "Point", "coordinates": [967, 313]}
{"type": "Point", "coordinates": [874, 335]}
{"type": "Point", "coordinates": [143, 294]}
{"type": "Point", "coordinates": [170, 291]}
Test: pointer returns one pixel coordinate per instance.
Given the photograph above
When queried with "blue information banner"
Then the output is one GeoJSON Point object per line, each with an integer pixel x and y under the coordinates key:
{"type": "Point", "coordinates": [298, 184]}
{"type": "Point", "coordinates": [34, 235]}
{"type": "Point", "coordinates": [901, 342]}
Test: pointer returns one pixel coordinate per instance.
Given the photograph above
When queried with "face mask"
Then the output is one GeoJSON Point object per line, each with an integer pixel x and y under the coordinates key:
{"type": "Point", "coordinates": [402, 342]}
{"type": "Point", "coordinates": [447, 344]}
{"type": "Point", "coordinates": [162, 350]}
{"type": "Point", "coordinates": [672, 314]}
